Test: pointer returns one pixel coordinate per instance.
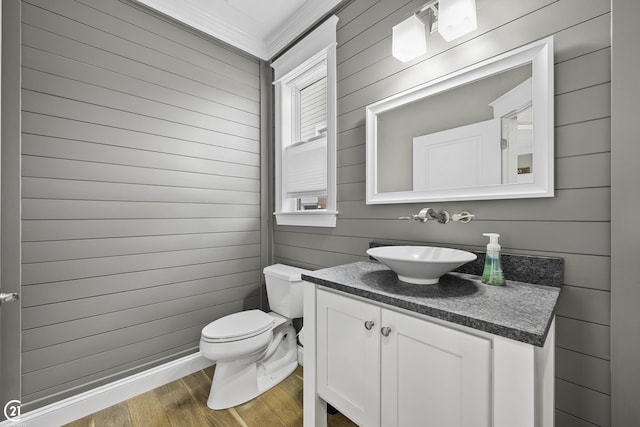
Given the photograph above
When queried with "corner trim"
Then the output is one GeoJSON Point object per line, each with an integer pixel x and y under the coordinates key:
{"type": "Point", "coordinates": [102, 397]}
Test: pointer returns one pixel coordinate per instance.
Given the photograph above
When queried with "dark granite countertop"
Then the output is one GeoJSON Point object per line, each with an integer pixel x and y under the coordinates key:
{"type": "Point", "coordinates": [519, 311]}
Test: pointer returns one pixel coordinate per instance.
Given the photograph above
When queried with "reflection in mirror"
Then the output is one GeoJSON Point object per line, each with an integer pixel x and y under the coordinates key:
{"type": "Point", "coordinates": [470, 135]}
{"type": "Point", "coordinates": [451, 139]}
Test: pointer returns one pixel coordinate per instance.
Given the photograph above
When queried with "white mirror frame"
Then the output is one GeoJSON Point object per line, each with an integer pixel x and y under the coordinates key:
{"type": "Point", "coordinates": [540, 55]}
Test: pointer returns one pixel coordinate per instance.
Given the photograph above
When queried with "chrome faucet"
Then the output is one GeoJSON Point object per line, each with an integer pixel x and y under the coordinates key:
{"type": "Point", "coordinates": [464, 217]}
{"type": "Point", "coordinates": [426, 214]}
{"type": "Point", "coordinates": [441, 216]}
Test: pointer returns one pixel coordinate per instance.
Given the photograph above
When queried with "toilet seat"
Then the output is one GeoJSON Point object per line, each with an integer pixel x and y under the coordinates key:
{"type": "Point", "coordinates": [238, 326]}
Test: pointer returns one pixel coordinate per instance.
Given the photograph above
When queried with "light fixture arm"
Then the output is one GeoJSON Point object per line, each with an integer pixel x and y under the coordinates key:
{"type": "Point", "coordinates": [429, 5]}
{"type": "Point", "coordinates": [428, 14]}
{"type": "Point", "coordinates": [430, 20]}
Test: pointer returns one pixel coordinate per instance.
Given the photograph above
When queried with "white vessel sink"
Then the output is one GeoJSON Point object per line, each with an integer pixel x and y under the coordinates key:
{"type": "Point", "coordinates": [422, 265]}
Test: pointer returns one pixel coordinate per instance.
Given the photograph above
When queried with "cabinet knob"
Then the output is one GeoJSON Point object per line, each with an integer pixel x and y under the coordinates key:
{"type": "Point", "coordinates": [385, 331]}
{"type": "Point", "coordinates": [368, 325]}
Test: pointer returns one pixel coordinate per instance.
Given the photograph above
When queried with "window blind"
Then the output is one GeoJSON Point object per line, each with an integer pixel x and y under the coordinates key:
{"type": "Point", "coordinates": [306, 168]}
{"type": "Point", "coordinates": [313, 109]}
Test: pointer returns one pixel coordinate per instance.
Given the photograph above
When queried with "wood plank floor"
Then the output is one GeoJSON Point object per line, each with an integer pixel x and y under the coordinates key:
{"type": "Point", "coordinates": [183, 403]}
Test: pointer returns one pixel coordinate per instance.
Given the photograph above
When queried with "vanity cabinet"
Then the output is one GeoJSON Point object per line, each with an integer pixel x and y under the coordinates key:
{"type": "Point", "coordinates": [388, 354]}
{"type": "Point", "coordinates": [381, 367]}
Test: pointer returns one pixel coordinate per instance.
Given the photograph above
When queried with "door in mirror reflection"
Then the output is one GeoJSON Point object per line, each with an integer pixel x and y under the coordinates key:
{"type": "Point", "coordinates": [517, 146]}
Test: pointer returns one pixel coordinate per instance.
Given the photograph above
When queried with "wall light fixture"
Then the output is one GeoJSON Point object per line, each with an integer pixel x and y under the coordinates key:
{"type": "Point", "coordinates": [451, 18]}
{"type": "Point", "coordinates": [409, 39]}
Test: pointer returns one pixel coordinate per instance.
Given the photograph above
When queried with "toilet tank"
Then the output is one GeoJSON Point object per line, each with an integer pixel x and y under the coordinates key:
{"type": "Point", "coordinates": [284, 289]}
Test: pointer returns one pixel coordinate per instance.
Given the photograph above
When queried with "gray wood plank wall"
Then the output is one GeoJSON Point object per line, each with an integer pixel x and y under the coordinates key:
{"type": "Point", "coordinates": [141, 191]}
{"type": "Point", "coordinates": [574, 225]}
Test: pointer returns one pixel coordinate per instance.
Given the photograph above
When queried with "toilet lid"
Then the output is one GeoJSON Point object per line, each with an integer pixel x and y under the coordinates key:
{"type": "Point", "coordinates": [284, 272]}
{"type": "Point", "coordinates": [238, 325]}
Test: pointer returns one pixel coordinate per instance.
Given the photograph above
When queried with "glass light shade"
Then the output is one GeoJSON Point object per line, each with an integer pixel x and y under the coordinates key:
{"type": "Point", "coordinates": [409, 39]}
{"type": "Point", "coordinates": [456, 18]}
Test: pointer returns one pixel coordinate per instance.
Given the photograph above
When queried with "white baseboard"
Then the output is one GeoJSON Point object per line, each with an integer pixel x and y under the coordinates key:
{"type": "Point", "coordinates": [102, 397]}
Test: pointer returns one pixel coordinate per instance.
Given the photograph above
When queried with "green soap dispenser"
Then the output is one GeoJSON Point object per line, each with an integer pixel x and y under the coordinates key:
{"type": "Point", "coordinates": [492, 274]}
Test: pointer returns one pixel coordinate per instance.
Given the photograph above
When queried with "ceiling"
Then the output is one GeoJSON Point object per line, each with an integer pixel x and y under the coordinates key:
{"type": "Point", "coordinates": [259, 27]}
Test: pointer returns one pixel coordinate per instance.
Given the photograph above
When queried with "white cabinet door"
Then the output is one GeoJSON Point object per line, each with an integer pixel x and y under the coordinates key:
{"type": "Point", "coordinates": [433, 375]}
{"type": "Point", "coordinates": [348, 362]}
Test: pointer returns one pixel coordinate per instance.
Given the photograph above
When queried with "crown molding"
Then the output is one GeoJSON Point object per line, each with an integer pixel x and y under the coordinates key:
{"type": "Point", "coordinates": [218, 26]}
{"type": "Point", "coordinates": [235, 36]}
{"type": "Point", "coordinates": [211, 24]}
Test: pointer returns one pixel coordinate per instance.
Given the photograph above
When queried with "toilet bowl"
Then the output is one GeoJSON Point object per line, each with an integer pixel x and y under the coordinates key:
{"type": "Point", "coordinates": [254, 350]}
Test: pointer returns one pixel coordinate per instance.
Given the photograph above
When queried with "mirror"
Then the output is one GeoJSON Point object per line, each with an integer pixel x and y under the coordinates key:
{"type": "Point", "coordinates": [484, 132]}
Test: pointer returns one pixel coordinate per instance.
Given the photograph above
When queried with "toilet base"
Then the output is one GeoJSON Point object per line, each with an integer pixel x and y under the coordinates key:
{"type": "Point", "coordinates": [238, 381]}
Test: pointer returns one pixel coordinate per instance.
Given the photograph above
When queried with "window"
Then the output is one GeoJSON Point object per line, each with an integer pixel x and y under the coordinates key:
{"type": "Point", "coordinates": [305, 129]}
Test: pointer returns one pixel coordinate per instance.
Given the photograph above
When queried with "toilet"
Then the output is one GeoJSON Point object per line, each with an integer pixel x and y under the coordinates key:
{"type": "Point", "coordinates": [254, 350]}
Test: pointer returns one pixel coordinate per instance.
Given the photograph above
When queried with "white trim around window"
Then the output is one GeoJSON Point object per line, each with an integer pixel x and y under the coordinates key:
{"type": "Point", "coordinates": [313, 55]}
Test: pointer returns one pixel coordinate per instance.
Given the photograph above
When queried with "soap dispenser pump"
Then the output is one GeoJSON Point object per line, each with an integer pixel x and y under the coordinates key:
{"type": "Point", "coordinates": [492, 274]}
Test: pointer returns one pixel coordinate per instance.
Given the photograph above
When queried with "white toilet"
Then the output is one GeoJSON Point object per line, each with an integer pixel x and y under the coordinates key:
{"type": "Point", "coordinates": [255, 350]}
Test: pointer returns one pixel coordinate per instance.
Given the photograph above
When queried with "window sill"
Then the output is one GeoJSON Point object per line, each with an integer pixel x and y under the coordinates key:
{"type": "Point", "coordinates": [307, 219]}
